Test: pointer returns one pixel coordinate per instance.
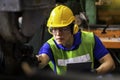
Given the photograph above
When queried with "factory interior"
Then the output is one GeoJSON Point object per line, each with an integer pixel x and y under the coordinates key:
{"type": "Point", "coordinates": [23, 31]}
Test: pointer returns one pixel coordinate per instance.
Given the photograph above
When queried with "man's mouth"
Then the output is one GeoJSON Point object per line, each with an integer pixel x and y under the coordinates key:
{"type": "Point", "coordinates": [59, 39]}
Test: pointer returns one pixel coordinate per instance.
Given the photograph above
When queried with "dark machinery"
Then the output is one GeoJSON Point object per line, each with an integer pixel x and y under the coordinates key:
{"type": "Point", "coordinates": [20, 21]}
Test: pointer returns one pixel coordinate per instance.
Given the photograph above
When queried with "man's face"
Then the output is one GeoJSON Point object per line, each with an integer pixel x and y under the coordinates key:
{"type": "Point", "coordinates": [62, 35]}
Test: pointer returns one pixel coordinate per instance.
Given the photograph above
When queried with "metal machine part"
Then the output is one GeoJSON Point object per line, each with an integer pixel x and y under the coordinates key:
{"type": "Point", "coordinates": [10, 5]}
{"type": "Point", "coordinates": [33, 13]}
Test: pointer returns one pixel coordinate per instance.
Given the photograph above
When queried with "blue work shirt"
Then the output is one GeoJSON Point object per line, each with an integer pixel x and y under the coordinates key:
{"type": "Point", "coordinates": [99, 48]}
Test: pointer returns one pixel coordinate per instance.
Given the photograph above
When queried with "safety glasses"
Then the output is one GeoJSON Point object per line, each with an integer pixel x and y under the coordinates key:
{"type": "Point", "coordinates": [62, 30]}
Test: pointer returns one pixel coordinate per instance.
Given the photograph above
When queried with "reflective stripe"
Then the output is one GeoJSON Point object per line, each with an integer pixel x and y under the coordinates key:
{"type": "Point", "coordinates": [79, 59]}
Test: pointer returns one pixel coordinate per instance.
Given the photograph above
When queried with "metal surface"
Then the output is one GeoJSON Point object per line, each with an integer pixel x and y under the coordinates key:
{"type": "Point", "coordinates": [33, 14]}
{"type": "Point", "coordinates": [110, 36]}
{"type": "Point", "coordinates": [37, 4]}
{"type": "Point", "coordinates": [10, 5]}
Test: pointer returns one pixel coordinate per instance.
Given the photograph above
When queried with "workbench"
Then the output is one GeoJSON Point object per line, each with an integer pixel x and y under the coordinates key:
{"type": "Point", "coordinates": [110, 38]}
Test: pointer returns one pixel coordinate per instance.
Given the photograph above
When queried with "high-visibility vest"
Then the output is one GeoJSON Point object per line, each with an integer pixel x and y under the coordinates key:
{"type": "Point", "coordinates": [84, 53]}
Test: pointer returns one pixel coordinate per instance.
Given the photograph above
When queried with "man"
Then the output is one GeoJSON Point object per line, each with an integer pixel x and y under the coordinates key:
{"type": "Point", "coordinates": [69, 45]}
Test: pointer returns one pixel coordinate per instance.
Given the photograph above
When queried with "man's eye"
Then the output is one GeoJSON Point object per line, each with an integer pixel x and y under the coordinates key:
{"type": "Point", "coordinates": [54, 29]}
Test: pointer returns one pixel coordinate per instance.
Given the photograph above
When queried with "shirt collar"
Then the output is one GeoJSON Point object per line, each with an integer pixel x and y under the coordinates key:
{"type": "Point", "coordinates": [77, 41]}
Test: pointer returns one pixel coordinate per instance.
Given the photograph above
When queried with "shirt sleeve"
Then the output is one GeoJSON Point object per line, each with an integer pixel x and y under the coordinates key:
{"type": "Point", "coordinates": [45, 49]}
{"type": "Point", "coordinates": [99, 49]}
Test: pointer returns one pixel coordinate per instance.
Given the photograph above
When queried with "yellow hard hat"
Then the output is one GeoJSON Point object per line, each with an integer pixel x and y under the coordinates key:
{"type": "Point", "coordinates": [60, 16]}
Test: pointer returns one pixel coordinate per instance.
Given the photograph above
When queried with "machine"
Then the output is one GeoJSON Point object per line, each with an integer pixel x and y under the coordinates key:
{"type": "Point", "coordinates": [20, 22]}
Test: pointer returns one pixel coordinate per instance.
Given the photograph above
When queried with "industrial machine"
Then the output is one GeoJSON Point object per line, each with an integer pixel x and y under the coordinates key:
{"type": "Point", "coordinates": [23, 27]}
{"type": "Point", "coordinates": [20, 22]}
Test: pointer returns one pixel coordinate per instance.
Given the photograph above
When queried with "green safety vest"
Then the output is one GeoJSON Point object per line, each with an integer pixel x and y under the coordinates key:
{"type": "Point", "coordinates": [82, 54]}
